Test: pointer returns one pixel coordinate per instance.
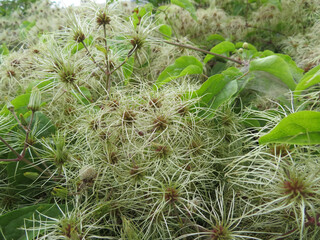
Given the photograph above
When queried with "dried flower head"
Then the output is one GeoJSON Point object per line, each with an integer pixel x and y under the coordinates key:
{"type": "Point", "coordinates": [102, 18]}
{"type": "Point", "coordinates": [79, 36]}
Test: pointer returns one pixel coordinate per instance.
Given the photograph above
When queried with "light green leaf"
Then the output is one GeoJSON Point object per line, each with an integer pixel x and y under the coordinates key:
{"type": "Point", "coordinates": [135, 20]}
{"type": "Point", "coordinates": [166, 30]}
{"type": "Point", "coordinates": [213, 37]}
{"type": "Point", "coordinates": [3, 49]}
{"type": "Point", "coordinates": [27, 25]}
{"type": "Point", "coordinates": [185, 65]}
{"type": "Point", "coordinates": [187, 5]}
{"type": "Point", "coordinates": [101, 49]}
{"type": "Point", "coordinates": [250, 46]}
{"type": "Point", "coordinates": [276, 66]}
{"type": "Point", "coordinates": [20, 104]}
{"type": "Point", "coordinates": [309, 79]}
{"type": "Point", "coordinates": [302, 128]}
{"type": "Point", "coordinates": [221, 48]}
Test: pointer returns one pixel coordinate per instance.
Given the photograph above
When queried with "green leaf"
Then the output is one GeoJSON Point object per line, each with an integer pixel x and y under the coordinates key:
{"type": "Point", "coordinates": [185, 65]}
{"type": "Point", "coordinates": [302, 128]}
{"type": "Point", "coordinates": [221, 48]}
{"type": "Point", "coordinates": [41, 84]}
{"type": "Point", "coordinates": [84, 97]}
{"type": "Point", "coordinates": [101, 49]}
{"type": "Point", "coordinates": [12, 222]}
{"type": "Point", "coordinates": [276, 66]}
{"type": "Point", "coordinates": [20, 103]}
{"type": "Point", "coordinates": [4, 50]}
{"type": "Point", "coordinates": [296, 72]}
{"type": "Point", "coordinates": [214, 37]}
{"type": "Point", "coordinates": [218, 89]}
{"type": "Point", "coordinates": [309, 79]}
{"type": "Point", "coordinates": [135, 20]}
{"type": "Point", "coordinates": [166, 30]}
{"type": "Point", "coordinates": [250, 46]}
{"type": "Point", "coordinates": [42, 125]}
{"type": "Point", "coordinates": [127, 69]}
{"type": "Point", "coordinates": [187, 5]}
{"type": "Point", "coordinates": [27, 25]}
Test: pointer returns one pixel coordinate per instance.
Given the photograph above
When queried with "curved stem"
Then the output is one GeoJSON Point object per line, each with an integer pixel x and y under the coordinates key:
{"type": "Point", "coordinates": [204, 51]}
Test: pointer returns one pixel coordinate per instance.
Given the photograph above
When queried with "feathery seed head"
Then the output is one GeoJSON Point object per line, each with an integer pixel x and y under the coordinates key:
{"type": "Point", "coordinates": [79, 36]}
{"type": "Point", "coordinates": [160, 123]}
{"type": "Point", "coordinates": [102, 18]}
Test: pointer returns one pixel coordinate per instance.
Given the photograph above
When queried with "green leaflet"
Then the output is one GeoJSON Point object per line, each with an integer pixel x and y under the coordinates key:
{"type": "Point", "coordinates": [127, 69]}
{"type": "Point", "coordinates": [301, 128]}
{"type": "Point", "coordinates": [221, 48]}
{"type": "Point", "coordinates": [84, 97]}
{"type": "Point", "coordinates": [101, 49]}
{"type": "Point", "coordinates": [12, 222]}
{"type": "Point", "coordinates": [3, 49]}
{"type": "Point", "coordinates": [297, 73]}
{"type": "Point", "coordinates": [214, 37]}
{"type": "Point", "coordinates": [276, 66]}
{"type": "Point", "coordinates": [20, 104]}
{"type": "Point", "coordinates": [41, 124]}
{"type": "Point", "coordinates": [187, 5]}
{"type": "Point", "coordinates": [166, 31]}
{"type": "Point", "coordinates": [218, 89]}
{"type": "Point", "coordinates": [309, 79]}
{"type": "Point", "coordinates": [41, 84]}
{"type": "Point", "coordinates": [185, 65]}
{"type": "Point", "coordinates": [250, 46]}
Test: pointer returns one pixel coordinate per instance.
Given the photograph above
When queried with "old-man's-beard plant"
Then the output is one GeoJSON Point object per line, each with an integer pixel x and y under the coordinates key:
{"type": "Point", "coordinates": [130, 162]}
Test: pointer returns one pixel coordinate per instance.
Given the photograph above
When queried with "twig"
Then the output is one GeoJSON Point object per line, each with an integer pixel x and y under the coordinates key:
{"type": "Point", "coordinates": [92, 58]}
{"type": "Point", "coordinates": [17, 119]}
{"type": "Point", "coordinates": [285, 235]}
{"type": "Point", "coordinates": [128, 56]}
{"type": "Point", "coordinates": [12, 150]}
{"type": "Point", "coordinates": [107, 58]}
{"type": "Point", "coordinates": [204, 51]}
{"type": "Point", "coordinates": [266, 29]}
